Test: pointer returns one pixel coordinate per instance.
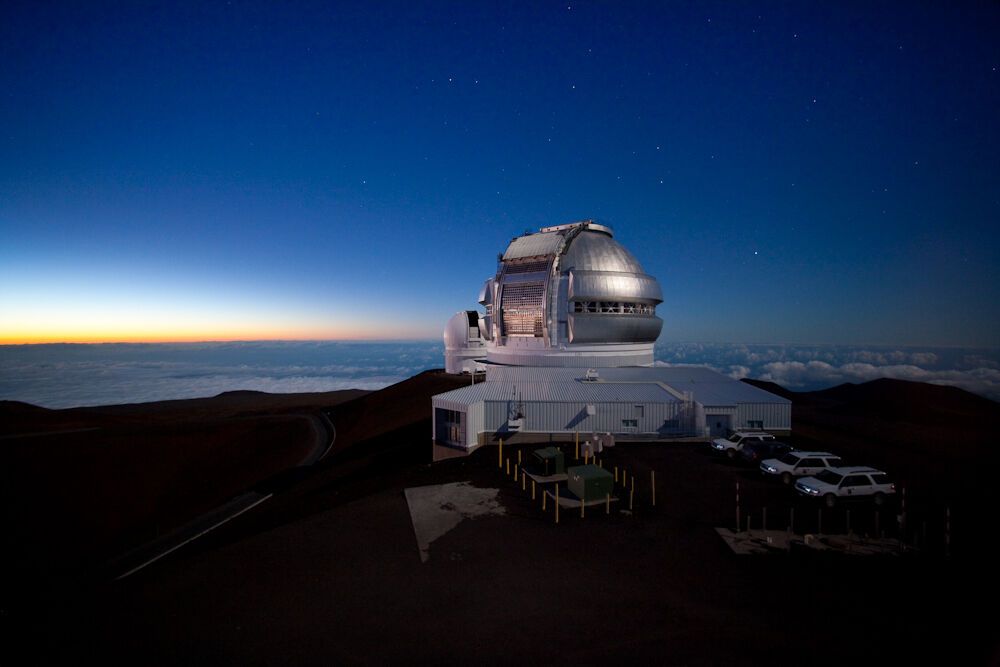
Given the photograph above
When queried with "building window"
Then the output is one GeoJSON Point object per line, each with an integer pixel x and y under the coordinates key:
{"type": "Point", "coordinates": [613, 307]}
{"type": "Point", "coordinates": [638, 412]}
{"type": "Point", "coordinates": [752, 423]}
{"type": "Point", "coordinates": [630, 423]}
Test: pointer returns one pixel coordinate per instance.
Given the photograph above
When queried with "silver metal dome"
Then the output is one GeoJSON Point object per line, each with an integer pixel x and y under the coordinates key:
{"type": "Point", "coordinates": [570, 295]}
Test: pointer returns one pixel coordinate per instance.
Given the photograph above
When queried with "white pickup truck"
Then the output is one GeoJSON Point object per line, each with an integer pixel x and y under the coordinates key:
{"type": "Point", "coordinates": [733, 444]}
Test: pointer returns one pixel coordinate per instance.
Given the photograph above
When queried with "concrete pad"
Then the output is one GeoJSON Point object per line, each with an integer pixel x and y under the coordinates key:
{"type": "Point", "coordinates": [854, 545]}
{"type": "Point", "coordinates": [545, 479]}
{"type": "Point", "coordinates": [436, 509]}
{"type": "Point", "coordinates": [567, 499]}
{"type": "Point", "coordinates": [757, 541]}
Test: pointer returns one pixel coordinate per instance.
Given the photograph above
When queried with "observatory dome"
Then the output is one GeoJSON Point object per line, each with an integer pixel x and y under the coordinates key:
{"type": "Point", "coordinates": [570, 295]}
{"type": "Point", "coordinates": [462, 342]}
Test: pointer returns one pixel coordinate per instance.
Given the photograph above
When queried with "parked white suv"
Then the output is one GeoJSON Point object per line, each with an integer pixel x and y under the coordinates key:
{"type": "Point", "coordinates": [853, 481]}
{"type": "Point", "coordinates": [733, 444]}
{"type": "Point", "coordinates": [798, 464]}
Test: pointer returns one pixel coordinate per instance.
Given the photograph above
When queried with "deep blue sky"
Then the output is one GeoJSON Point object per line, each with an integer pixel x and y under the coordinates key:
{"type": "Point", "coordinates": [790, 173]}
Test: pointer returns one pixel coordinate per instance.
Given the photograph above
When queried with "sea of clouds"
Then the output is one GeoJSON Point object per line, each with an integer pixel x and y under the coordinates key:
{"type": "Point", "coordinates": [60, 376]}
{"type": "Point", "coordinates": [809, 367]}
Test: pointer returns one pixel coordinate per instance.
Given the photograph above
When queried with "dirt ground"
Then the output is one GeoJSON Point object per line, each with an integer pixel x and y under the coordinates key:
{"type": "Point", "coordinates": [329, 570]}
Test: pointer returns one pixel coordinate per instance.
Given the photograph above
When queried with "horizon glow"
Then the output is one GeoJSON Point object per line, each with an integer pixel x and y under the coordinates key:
{"type": "Point", "coordinates": [807, 174]}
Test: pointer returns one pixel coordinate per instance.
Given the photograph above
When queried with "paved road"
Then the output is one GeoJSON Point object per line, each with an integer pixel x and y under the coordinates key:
{"type": "Point", "coordinates": [324, 435]}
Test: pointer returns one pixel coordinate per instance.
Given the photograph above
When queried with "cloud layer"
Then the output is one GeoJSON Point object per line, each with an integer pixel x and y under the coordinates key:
{"type": "Point", "coordinates": [59, 376]}
{"type": "Point", "coordinates": [804, 367]}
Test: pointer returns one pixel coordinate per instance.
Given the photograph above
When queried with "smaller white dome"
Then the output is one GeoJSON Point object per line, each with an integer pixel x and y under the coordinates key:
{"type": "Point", "coordinates": [463, 342]}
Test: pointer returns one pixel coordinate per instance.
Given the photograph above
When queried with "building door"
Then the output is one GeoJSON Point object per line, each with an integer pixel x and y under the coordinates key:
{"type": "Point", "coordinates": [450, 427]}
{"type": "Point", "coordinates": [718, 425]}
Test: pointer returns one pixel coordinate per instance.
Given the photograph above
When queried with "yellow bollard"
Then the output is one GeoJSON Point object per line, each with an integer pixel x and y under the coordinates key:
{"type": "Point", "coordinates": [557, 503]}
{"type": "Point", "coordinates": [524, 481]}
{"type": "Point", "coordinates": [500, 455]}
{"type": "Point", "coordinates": [607, 509]}
{"type": "Point", "coordinates": [532, 489]}
{"type": "Point", "coordinates": [582, 505]}
{"type": "Point", "coordinates": [631, 497]}
{"type": "Point", "coordinates": [576, 457]}
{"type": "Point", "coordinates": [600, 464]}
{"type": "Point", "coordinates": [515, 473]}
{"type": "Point", "coordinates": [544, 494]}
{"type": "Point", "coordinates": [508, 466]}
{"type": "Point", "coordinates": [616, 474]}
{"type": "Point", "coordinates": [652, 484]}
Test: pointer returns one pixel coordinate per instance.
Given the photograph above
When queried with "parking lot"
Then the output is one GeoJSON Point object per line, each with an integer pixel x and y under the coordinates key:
{"type": "Point", "coordinates": [700, 487]}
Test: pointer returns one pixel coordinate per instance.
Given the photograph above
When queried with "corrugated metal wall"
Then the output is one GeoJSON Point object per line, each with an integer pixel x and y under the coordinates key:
{"type": "Point", "coordinates": [474, 419]}
{"type": "Point", "coordinates": [776, 416]}
{"type": "Point", "coordinates": [553, 417]}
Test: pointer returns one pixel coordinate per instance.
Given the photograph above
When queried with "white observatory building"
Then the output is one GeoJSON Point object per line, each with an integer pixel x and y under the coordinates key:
{"type": "Point", "coordinates": [567, 345]}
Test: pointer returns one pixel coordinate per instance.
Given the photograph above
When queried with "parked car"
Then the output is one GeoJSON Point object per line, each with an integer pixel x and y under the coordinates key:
{"type": "Point", "coordinates": [798, 464]}
{"type": "Point", "coordinates": [731, 446]}
{"type": "Point", "coordinates": [752, 453]}
{"type": "Point", "coordinates": [844, 482]}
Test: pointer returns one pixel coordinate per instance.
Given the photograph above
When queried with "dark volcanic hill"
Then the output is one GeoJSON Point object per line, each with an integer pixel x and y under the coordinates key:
{"type": "Point", "coordinates": [327, 570]}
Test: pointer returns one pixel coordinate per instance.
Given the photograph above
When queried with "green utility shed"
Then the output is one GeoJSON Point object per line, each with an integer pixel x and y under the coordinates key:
{"type": "Point", "coordinates": [589, 482]}
{"type": "Point", "coordinates": [550, 460]}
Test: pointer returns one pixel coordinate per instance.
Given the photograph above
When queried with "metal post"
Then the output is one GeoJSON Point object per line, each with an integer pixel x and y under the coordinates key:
{"type": "Point", "coordinates": [607, 506]}
{"type": "Point", "coordinates": [532, 489]}
{"type": "Point", "coordinates": [557, 503]}
{"type": "Point", "coordinates": [582, 506]}
{"type": "Point", "coordinates": [616, 474]}
{"type": "Point", "coordinates": [508, 466]}
{"type": "Point", "coordinates": [652, 484]}
{"type": "Point", "coordinates": [500, 455]}
{"type": "Point", "coordinates": [737, 507]}
{"type": "Point", "coordinates": [577, 456]}
{"type": "Point", "coordinates": [947, 532]}
{"type": "Point", "coordinates": [544, 494]}
{"type": "Point", "coordinates": [902, 516]}
{"type": "Point", "coordinates": [524, 481]}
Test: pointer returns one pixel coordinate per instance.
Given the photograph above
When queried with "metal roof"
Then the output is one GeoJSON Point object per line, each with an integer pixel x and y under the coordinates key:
{"type": "Point", "coordinates": [534, 245]}
{"type": "Point", "coordinates": [710, 388]}
{"type": "Point", "coordinates": [570, 391]}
